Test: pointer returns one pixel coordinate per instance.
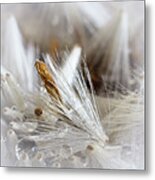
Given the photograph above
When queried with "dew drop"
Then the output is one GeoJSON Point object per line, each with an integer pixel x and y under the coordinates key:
{"type": "Point", "coordinates": [53, 153]}
{"type": "Point", "coordinates": [5, 110]}
{"type": "Point", "coordinates": [39, 156]}
{"type": "Point", "coordinates": [3, 139]}
{"type": "Point", "coordinates": [11, 132]}
{"type": "Point", "coordinates": [14, 108]}
{"type": "Point", "coordinates": [23, 156]}
{"type": "Point", "coordinates": [56, 165]}
{"type": "Point", "coordinates": [66, 151]}
{"type": "Point", "coordinates": [28, 147]}
{"type": "Point", "coordinates": [83, 159]}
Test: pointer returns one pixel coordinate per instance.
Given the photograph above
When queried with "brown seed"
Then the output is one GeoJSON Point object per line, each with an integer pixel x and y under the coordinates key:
{"type": "Point", "coordinates": [38, 111]}
{"type": "Point", "coordinates": [48, 80]}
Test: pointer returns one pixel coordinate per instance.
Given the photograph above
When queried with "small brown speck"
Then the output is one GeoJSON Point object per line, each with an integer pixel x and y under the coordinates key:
{"type": "Point", "coordinates": [90, 147]}
{"type": "Point", "coordinates": [38, 112]}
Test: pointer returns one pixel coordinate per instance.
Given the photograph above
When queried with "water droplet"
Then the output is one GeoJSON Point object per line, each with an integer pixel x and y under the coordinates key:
{"type": "Point", "coordinates": [14, 108]}
{"type": "Point", "coordinates": [39, 156]}
{"type": "Point", "coordinates": [23, 156]}
{"type": "Point", "coordinates": [3, 139]}
{"type": "Point", "coordinates": [56, 165]}
{"type": "Point", "coordinates": [53, 153]}
{"type": "Point", "coordinates": [5, 110]}
{"type": "Point", "coordinates": [34, 149]}
{"type": "Point", "coordinates": [62, 128]}
{"type": "Point", "coordinates": [26, 146]}
{"type": "Point", "coordinates": [11, 132]}
{"type": "Point", "coordinates": [66, 151]}
{"type": "Point", "coordinates": [83, 159]}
